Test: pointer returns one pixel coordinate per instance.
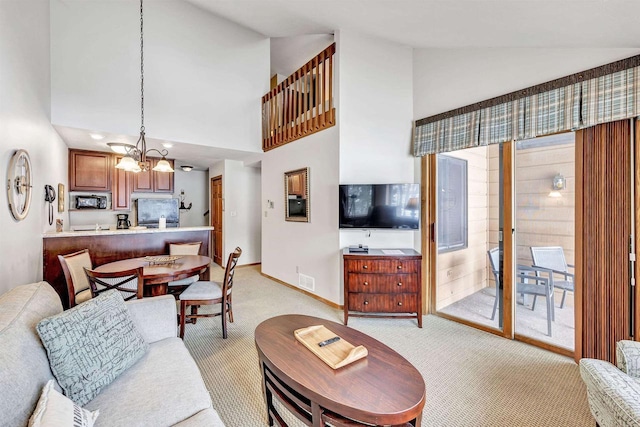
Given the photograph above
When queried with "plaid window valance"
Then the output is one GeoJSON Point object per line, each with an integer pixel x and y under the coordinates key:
{"type": "Point", "coordinates": [599, 95]}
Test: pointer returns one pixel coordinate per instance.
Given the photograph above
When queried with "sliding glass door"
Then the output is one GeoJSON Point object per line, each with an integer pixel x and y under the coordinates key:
{"type": "Point", "coordinates": [503, 244]}
{"type": "Point", "coordinates": [544, 215]}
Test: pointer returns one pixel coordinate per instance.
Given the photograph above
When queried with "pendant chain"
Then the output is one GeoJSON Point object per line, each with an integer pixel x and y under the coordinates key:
{"type": "Point", "coordinates": [141, 70]}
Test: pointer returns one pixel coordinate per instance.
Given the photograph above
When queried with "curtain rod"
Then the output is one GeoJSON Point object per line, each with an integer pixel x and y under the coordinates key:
{"type": "Point", "coordinates": [592, 73]}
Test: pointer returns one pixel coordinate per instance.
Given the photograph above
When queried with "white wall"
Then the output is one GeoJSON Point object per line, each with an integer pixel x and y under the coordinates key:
{"type": "Point", "coordinates": [445, 79]}
{"type": "Point", "coordinates": [290, 53]}
{"type": "Point", "coordinates": [204, 76]}
{"type": "Point", "coordinates": [376, 96]}
{"type": "Point", "coordinates": [370, 144]}
{"type": "Point", "coordinates": [242, 222]}
{"type": "Point", "coordinates": [25, 123]}
{"type": "Point", "coordinates": [196, 190]}
{"type": "Point", "coordinates": [241, 188]}
{"type": "Point", "coordinates": [313, 247]}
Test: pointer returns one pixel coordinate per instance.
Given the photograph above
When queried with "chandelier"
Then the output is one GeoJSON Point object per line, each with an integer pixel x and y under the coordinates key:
{"type": "Point", "coordinates": [135, 159]}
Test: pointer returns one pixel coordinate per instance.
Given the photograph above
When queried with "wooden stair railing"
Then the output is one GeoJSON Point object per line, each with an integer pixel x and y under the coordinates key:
{"type": "Point", "coordinates": [302, 104]}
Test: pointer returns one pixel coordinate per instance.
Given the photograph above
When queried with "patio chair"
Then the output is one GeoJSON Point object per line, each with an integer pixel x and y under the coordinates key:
{"type": "Point", "coordinates": [552, 258]}
{"type": "Point", "coordinates": [528, 282]}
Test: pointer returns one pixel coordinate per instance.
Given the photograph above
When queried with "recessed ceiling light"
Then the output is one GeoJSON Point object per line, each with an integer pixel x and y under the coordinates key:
{"type": "Point", "coordinates": [96, 136]}
{"type": "Point", "coordinates": [167, 144]}
{"type": "Point", "coordinates": [121, 147]}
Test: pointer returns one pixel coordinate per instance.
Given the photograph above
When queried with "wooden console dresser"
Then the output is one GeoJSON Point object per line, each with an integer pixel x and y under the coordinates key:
{"type": "Point", "coordinates": [383, 283]}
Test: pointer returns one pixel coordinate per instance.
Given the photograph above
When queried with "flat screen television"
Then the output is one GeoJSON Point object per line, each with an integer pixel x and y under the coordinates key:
{"type": "Point", "coordinates": [394, 206]}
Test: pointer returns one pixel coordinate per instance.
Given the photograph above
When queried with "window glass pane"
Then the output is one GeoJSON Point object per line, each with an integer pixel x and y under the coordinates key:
{"type": "Point", "coordinates": [452, 204]}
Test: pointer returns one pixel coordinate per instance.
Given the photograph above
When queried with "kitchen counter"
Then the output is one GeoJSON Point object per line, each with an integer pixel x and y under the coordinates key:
{"type": "Point", "coordinates": [110, 232]}
{"type": "Point", "coordinates": [114, 245]}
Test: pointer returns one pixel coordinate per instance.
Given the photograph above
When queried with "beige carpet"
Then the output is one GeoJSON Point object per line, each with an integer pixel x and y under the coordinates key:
{"type": "Point", "coordinates": [473, 378]}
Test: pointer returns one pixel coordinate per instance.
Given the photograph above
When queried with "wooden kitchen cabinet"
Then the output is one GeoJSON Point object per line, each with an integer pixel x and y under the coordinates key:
{"type": "Point", "coordinates": [121, 185]}
{"type": "Point", "coordinates": [153, 182]}
{"type": "Point", "coordinates": [143, 182]}
{"type": "Point", "coordinates": [95, 171]}
{"type": "Point", "coordinates": [376, 283]}
{"type": "Point", "coordinates": [163, 181]}
{"type": "Point", "coordinates": [90, 170]}
{"type": "Point", "coordinates": [296, 185]}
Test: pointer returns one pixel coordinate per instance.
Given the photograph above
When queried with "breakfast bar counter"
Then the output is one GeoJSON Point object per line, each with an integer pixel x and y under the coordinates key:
{"type": "Point", "coordinates": [107, 246]}
{"type": "Point", "coordinates": [133, 230]}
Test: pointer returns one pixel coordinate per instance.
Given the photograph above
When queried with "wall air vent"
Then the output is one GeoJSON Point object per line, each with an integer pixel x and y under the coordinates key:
{"type": "Point", "coordinates": [306, 282]}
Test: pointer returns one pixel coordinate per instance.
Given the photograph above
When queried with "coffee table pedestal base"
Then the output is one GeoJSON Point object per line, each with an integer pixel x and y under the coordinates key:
{"type": "Point", "coordinates": [307, 411]}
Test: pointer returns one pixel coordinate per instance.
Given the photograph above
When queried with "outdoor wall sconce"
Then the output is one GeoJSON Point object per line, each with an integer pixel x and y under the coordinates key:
{"type": "Point", "coordinates": [559, 183]}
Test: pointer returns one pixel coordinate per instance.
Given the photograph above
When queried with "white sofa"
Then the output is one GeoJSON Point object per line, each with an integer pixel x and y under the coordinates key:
{"type": "Point", "coordinates": [163, 388]}
{"type": "Point", "coordinates": [614, 392]}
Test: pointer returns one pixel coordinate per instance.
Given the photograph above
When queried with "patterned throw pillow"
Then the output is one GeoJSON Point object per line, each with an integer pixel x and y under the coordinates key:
{"type": "Point", "coordinates": [90, 345]}
{"type": "Point", "coordinates": [55, 410]}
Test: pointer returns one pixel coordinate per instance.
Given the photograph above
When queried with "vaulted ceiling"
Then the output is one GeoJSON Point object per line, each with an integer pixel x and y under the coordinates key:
{"type": "Point", "coordinates": [446, 23]}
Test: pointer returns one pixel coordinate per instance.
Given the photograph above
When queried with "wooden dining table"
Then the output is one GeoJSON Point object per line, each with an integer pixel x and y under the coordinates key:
{"type": "Point", "coordinates": [156, 276]}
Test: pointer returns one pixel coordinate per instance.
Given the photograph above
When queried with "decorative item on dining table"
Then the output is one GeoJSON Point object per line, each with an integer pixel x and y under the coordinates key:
{"type": "Point", "coordinates": [162, 259]}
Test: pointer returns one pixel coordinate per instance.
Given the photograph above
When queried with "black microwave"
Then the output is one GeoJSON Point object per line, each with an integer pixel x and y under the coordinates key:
{"type": "Point", "coordinates": [91, 202]}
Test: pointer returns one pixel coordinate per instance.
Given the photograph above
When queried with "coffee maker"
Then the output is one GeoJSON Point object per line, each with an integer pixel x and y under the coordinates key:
{"type": "Point", "coordinates": [123, 221]}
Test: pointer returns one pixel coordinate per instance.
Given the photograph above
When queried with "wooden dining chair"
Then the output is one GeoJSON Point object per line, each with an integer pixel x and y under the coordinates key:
{"type": "Point", "coordinates": [190, 248]}
{"type": "Point", "coordinates": [73, 265]}
{"type": "Point", "coordinates": [208, 292]}
{"type": "Point", "coordinates": [129, 283]}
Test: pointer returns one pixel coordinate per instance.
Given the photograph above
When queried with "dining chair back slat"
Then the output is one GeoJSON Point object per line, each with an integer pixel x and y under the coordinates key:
{"type": "Point", "coordinates": [129, 283]}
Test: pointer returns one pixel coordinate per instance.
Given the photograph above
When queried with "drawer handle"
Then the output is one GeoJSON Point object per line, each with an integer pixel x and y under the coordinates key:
{"type": "Point", "coordinates": [366, 303]}
{"type": "Point", "coordinates": [399, 283]}
{"type": "Point", "coordinates": [399, 267]}
{"type": "Point", "coordinates": [365, 267]}
{"type": "Point", "coordinates": [366, 283]}
{"type": "Point", "coordinates": [400, 303]}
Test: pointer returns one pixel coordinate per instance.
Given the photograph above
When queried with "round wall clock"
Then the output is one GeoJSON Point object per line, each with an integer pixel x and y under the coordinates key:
{"type": "Point", "coordinates": [19, 184]}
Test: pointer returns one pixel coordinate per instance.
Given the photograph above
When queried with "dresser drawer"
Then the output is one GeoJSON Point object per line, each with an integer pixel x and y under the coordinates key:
{"type": "Point", "coordinates": [382, 283]}
{"type": "Point", "coordinates": [381, 266]}
{"type": "Point", "coordinates": [385, 303]}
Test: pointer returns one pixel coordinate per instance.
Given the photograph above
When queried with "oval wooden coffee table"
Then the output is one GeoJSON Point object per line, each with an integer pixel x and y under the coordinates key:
{"type": "Point", "coordinates": [381, 389]}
